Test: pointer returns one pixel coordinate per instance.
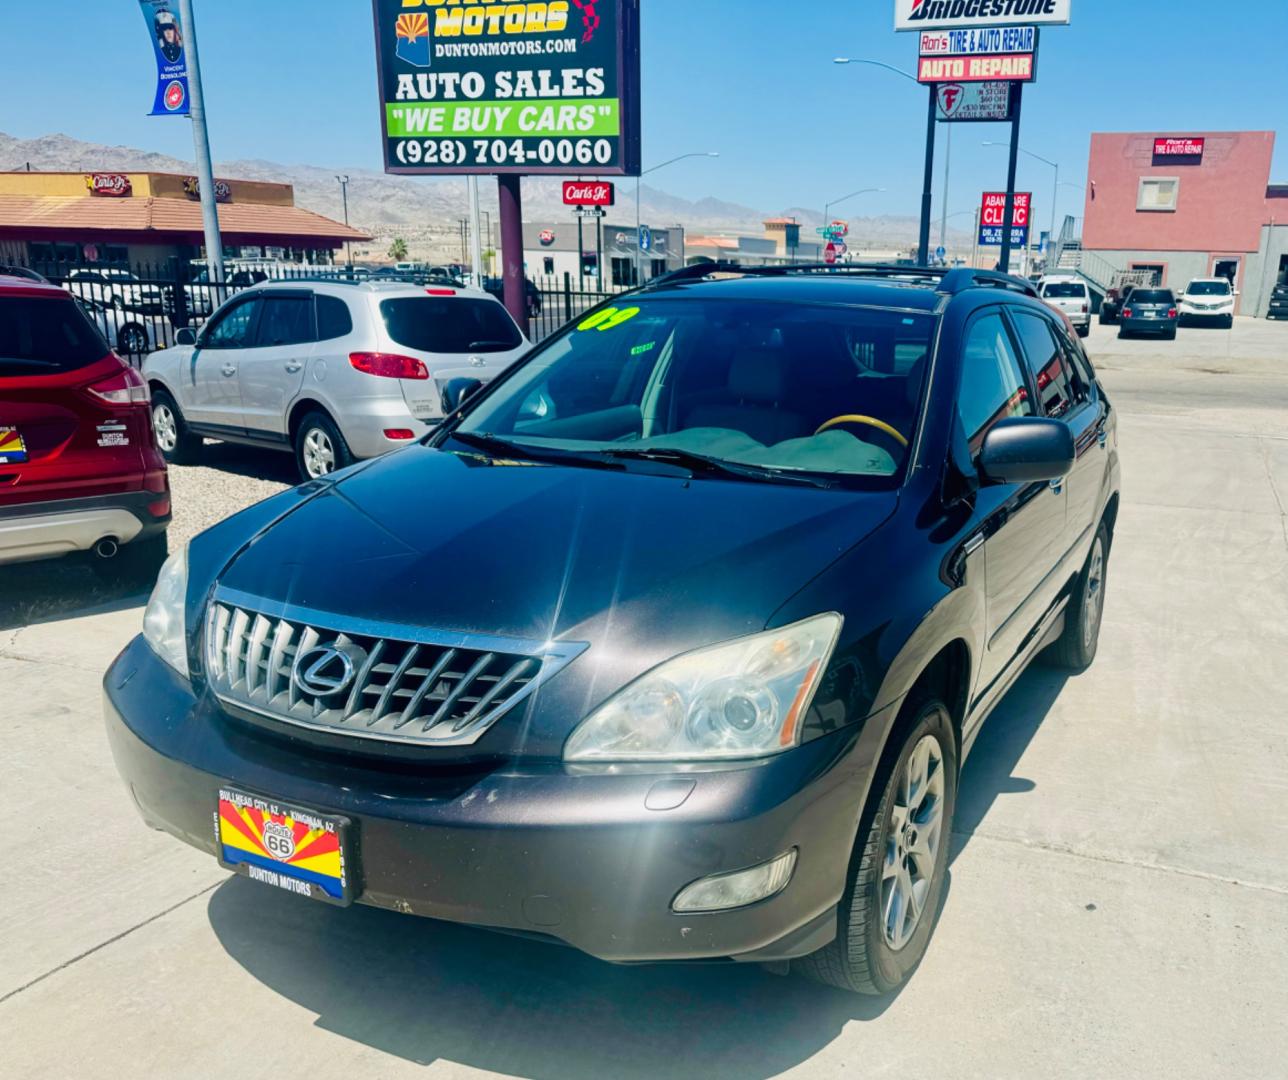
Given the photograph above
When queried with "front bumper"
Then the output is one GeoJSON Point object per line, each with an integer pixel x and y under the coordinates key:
{"type": "Point", "coordinates": [1205, 314]}
{"type": "Point", "coordinates": [574, 855]}
{"type": "Point", "coordinates": [46, 530]}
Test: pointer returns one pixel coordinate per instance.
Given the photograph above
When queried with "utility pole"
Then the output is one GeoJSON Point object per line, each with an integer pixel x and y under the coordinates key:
{"type": "Point", "coordinates": [344, 194]}
{"type": "Point", "coordinates": [1008, 214]}
{"type": "Point", "coordinates": [476, 238]}
{"type": "Point", "coordinates": [201, 144]}
{"type": "Point", "coordinates": [943, 198]}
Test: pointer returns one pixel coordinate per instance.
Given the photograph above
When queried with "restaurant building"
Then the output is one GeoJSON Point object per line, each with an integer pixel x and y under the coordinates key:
{"type": "Point", "coordinates": [1184, 206]}
{"type": "Point", "coordinates": [132, 218]}
{"type": "Point", "coordinates": [550, 250]}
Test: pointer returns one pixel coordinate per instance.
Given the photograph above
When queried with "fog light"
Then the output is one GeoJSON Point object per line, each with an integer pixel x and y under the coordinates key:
{"type": "Point", "coordinates": [723, 891]}
{"type": "Point", "coordinates": [399, 433]}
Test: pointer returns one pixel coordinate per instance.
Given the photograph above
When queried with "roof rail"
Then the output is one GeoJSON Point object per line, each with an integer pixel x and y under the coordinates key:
{"type": "Point", "coordinates": [964, 277]}
{"type": "Point", "coordinates": [698, 271]}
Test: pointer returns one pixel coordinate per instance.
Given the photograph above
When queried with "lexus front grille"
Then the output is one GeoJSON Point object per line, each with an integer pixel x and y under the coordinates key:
{"type": "Point", "coordinates": [372, 680]}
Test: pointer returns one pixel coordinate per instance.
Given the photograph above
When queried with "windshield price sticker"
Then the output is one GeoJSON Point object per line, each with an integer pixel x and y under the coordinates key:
{"type": "Point", "coordinates": [468, 86]}
{"type": "Point", "coordinates": [608, 318]}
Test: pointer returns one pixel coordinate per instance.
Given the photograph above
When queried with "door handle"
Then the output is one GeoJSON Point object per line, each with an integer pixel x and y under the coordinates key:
{"type": "Point", "coordinates": [293, 367]}
{"type": "Point", "coordinates": [229, 369]}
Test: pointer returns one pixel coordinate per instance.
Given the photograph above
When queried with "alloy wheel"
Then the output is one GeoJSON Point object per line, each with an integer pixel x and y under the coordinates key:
{"type": "Point", "coordinates": [319, 454]}
{"type": "Point", "coordinates": [133, 340]}
{"type": "Point", "coordinates": [165, 427]}
{"type": "Point", "coordinates": [912, 845]}
{"type": "Point", "coordinates": [1095, 594]}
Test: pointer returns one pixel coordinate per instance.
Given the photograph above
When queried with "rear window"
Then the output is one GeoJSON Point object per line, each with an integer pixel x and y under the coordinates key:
{"type": "Point", "coordinates": [449, 324]}
{"type": "Point", "coordinates": [1058, 289]}
{"type": "Point", "coordinates": [1152, 296]}
{"type": "Point", "coordinates": [45, 336]}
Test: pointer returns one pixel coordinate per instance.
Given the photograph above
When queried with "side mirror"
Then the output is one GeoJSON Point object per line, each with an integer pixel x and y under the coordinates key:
{"type": "Point", "coordinates": [185, 335]}
{"type": "Point", "coordinates": [456, 391]}
{"type": "Point", "coordinates": [1026, 449]}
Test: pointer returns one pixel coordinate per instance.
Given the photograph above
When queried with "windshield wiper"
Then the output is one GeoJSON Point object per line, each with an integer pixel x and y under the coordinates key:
{"type": "Point", "coordinates": [696, 463]}
{"type": "Point", "coordinates": [498, 447]}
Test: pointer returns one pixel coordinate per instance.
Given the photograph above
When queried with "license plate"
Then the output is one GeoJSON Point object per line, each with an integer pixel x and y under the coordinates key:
{"type": "Point", "coordinates": [286, 846]}
{"type": "Point", "coordinates": [13, 451]}
{"type": "Point", "coordinates": [1150, 314]}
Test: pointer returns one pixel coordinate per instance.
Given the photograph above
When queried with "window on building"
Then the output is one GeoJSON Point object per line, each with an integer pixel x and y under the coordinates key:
{"type": "Point", "coordinates": [623, 271]}
{"type": "Point", "coordinates": [1157, 193]}
{"type": "Point", "coordinates": [547, 264]}
{"type": "Point", "coordinates": [992, 384]}
{"type": "Point", "coordinates": [657, 267]}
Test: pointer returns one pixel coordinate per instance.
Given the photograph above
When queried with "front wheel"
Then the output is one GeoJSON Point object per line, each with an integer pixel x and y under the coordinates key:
{"type": "Point", "coordinates": [899, 865]}
{"type": "Point", "coordinates": [1076, 647]}
{"type": "Point", "coordinates": [319, 447]}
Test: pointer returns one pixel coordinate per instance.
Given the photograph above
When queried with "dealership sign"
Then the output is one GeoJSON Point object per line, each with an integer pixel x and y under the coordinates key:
{"type": "Point", "coordinates": [995, 39]}
{"type": "Point", "coordinates": [588, 193]}
{"type": "Point", "coordinates": [992, 213]}
{"type": "Point", "coordinates": [112, 185]}
{"type": "Point", "coordinates": [549, 87]}
{"type": "Point", "coordinates": [1183, 151]}
{"type": "Point", "coordinates": [973, 101]}
{"type": "Point", "coordinates": [974, 14]}
{"type": "Point", "coordinates": [1008, 67]}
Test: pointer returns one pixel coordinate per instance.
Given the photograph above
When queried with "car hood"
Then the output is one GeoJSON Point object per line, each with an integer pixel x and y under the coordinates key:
{"type": "Point", "coordinates": [640, 566]}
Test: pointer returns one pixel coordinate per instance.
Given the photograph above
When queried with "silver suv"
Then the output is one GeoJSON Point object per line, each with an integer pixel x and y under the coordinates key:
{"type": "Point", "coordinates": [334, 372]}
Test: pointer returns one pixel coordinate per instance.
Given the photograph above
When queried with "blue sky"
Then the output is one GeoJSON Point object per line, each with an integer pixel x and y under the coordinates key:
{"type": "Point", "coordinates": [293, 80]}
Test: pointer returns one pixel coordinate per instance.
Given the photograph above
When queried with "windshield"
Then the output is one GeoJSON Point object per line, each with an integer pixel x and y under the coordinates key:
{"type": "Point", "coordinates": [1058, 289]}
{"type": "Point", "coordinates": [1208, 288]}
{"type": "Point", "coordinates": [449, 324]}
{"type": "Point", "coordinates": [813, 389]}
{"type": "Point", "coordinates": [40, 336]}
{"type": "Point", "coordinates": [1151, 296]}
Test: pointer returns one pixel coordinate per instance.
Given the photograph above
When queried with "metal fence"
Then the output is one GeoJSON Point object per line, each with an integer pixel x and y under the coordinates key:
{"type": "Point", "coordinates": [139, 307]}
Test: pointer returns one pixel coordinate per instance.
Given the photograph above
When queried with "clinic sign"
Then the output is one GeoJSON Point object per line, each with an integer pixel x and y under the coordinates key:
{"type": "Point", "coordinates": [992, 213]}
{"type": "Point", "coordinates": [974, 14]}
{"type": "Point", "coordinates": [518, 88]}
{"type": "Point", "coordinates": [1182, 151]}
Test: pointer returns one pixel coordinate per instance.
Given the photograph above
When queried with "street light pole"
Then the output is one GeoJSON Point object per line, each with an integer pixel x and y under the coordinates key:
{"type": "Point", "coordinates": [201, 144]}
{"type": "Point", "coordinates": [344, 194]}
{"type": "Point", "coordinates": [827, 207]}
{"type": "Point", "coordinates": [639, 276]}
{"type": "Point", "coordinates": [1055, 187]}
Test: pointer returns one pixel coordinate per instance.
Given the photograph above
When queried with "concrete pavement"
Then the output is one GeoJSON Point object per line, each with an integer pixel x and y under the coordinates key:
{"type": "Point", "coordinates": [1118, 900]}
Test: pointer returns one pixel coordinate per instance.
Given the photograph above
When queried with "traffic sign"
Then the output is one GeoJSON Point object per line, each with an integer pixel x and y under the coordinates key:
{"type": "Point", "coordinates": [829, 253]}
{"type": "Point", "coordinates": [940, 252]}
{"type": "Point", "coordinates": [646, 238]}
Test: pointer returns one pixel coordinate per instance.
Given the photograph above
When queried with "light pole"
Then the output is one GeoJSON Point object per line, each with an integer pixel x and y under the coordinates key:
{"type": "Point", "coordinates": [344, 194]}
{"type": "Point", "coordinates": [827, 207]}
{"type": "Point", "coordinates": [1055, 187]}
{"type": "Point", "coordinates": [638, 251]}
{"type": "Point", "coordinates": [923, 236]}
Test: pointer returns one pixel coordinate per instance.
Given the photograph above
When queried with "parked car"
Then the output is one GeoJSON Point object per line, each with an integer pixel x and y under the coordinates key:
{"type": "Point", "coordinates": [1207, 300]}
{"type": "Point", "coordinates": [332, 371]}
{"type": "Point", "coordinates": [496, 286]}
{"type": "Point", "coordinates": [669, 644]}
{"type": "Point", "coordinates": [1278, 306]}
{"type": "Point", "coordinates": [80, 473]}
{"type": "Point", "coordinates": [1123, 282]}
{"type": "Point", "coordinates": [126, 333]}
{"type": "Point", "coordinates": [1071, 296]}
{"type": "Point", "coordinates": [1149, 310]}
{"type": "Point", "coordinates": [116, 288]}
{"type": "Point", "coordinates": [24, 272]}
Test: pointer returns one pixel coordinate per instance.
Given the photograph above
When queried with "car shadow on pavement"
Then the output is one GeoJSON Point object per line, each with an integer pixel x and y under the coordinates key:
{"type": "Point", "coordinates": [250, 461]}
{"type": "Point", "coordinates": [48, 591]}
{"type": "Point", "coordinates": [990, 769]}
{"type": "Point", "coordinates": [425, 991]}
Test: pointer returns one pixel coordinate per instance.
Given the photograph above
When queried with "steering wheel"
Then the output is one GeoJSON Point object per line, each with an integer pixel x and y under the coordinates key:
{"type": "Point", "coordinates": [871, 421]}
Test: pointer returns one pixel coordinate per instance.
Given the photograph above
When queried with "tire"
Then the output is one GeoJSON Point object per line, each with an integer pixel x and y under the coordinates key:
{"type": "Point", "coordinates": [1122, 334]}
{"type": "Point", "coordinates": [1076, 647]}
{"type": "Point", "coordinates": [864, 957]}
{"type": "Point", "coordinates": [1083, 331]}
{"type": "Point", "coordinates": [135, 565]}
{"type": "Point", "coordinates": [1170, 335]}
{"type": "Point", "coordinates": [132, 339]}
{"type": "Point", "coordinates": [1107, 319]}
{"type": "Point", "coordinates": [1228, 323]}
{"type": "Point", "coordinates": [177, 444]}
{"type": "Point", "coordinates": [319, 447]}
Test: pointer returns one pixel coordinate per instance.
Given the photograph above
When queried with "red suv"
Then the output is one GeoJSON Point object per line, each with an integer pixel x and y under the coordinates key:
{"type": "Point", "coordinates": [79, 467]}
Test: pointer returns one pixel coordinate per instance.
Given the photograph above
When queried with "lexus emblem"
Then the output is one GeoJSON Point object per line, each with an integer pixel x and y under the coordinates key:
{"type": "Point", "coordinates": [323, 670]}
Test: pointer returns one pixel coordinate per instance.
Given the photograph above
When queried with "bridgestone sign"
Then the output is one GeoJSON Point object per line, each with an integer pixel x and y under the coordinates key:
{"type": "Point", "coordinates": [973, 14]}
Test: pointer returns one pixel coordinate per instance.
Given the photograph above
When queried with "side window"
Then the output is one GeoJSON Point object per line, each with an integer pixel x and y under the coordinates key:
{"type": "Point", "coordinates": [287, 320]}
{"type": "Point", "coordinates": [993, 387]}
{"type": "Point", "coordinates": [334, 320]}
{"type": "Point", "coordinates": [231, 328]}
{"type": "Point", "coordinates": [1046, 361]}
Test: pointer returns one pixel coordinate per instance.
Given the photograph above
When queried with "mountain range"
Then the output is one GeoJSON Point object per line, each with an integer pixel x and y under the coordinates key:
{"type": "Point", "coordinates": [427, 211]}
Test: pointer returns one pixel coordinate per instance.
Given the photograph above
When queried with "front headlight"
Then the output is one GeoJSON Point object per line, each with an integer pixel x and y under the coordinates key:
{"type": "Point", "coordinates": [743, 699]}
{"type": "Point", "coordinates": [163, 621]}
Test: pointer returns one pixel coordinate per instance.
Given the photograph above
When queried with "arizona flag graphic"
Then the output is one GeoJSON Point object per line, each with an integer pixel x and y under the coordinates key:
{"type": "Point", "coordinates": [413, 39]}
{"type": "Point", "coordinates": [279, 843]}
{"type": "Point", "coordinates": [12, 448]}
